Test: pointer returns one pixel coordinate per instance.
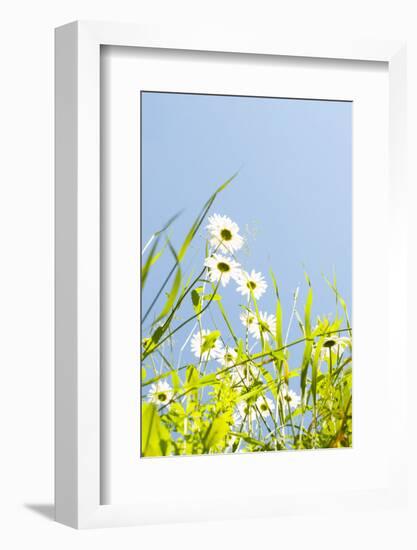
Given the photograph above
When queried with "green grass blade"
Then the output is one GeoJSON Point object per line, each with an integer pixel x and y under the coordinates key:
{"type": "Point", "coordinates": [187, 241]}
{"type": "Point", "coordinates": [171, 296]}
{"type": "Point", "coordinates": [150, 260]}
{"type": "Point", "coordinates": [228, 323]}
{"type": "Point", "coordinates": [216, 432]}
{"type": "Point", "coordinates": [307, 312]}
{"type": "Point", "coordinates": [200, 218]}
{"type": "Point", "coordinates": [278, 313]}
{"type": "Point", "coordinates": [304, 367]}
{"type": "Point", "coordinates": [169, 222]}
{"type": "Point", "coordinates": [155, 436]}
{"type": "Point", "coordinates": [340, 300]}
{"type": "Point", "coordinates": [314, 369]}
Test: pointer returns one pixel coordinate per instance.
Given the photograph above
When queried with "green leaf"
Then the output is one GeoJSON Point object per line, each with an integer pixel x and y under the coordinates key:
{"type": "Point", "coordinates": [280, 355]}
{"type": "Point", "coordinates": [177, 408]}
{"type": "Point", "coordinates": [176, 381]}
{"type": "Point", "coordinates": [304, 366]}
{"type": "Point", "coordinates": [210, 340]}
{"type": "Point", "coordinates": [156, 336]}
{"type": "Point", "coordinates": [215, 433]}
{"type": "Point", "coordinates": [278, 313]}
{"type": "Point", "coordinates": [251, 440]}
{"type": "Point", "coordinates": [171, 296]}
{"type": "Point", "coordinates": [257, 390]}
{"type": "Point", "coordinates": [309, 344]}
{"type": "Point", "coordinates": [156, 378]}
{"type": "Point", "coordinates": [191, 377]}
{"type": "Point", "coordinates": [315, 363]}
{"type": "Point", "coordinates": [276, 354]}
{"type": "Point", "coordinates": [340, 300]}
{"type": "Point", "coordinates": [156, 439]}
{"type": "Point", "coordinates": [195, 298]}
{"type": "Point", "coordinates": [149, 262]}
{"type": "Point", "coordinates": [212, 297]}
{"type": "Point", "coordinates": [193, 380]}
{"type": "Point", "coordinates": [268, 377]}
{"type": "Point", "coordinates": [207, 380]}
{"type": "Point", "coordinates": [307, 312]}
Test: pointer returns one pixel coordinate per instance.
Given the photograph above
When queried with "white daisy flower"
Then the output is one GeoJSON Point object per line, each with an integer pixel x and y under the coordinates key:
{"type": "Point", "coordinates": [248, 318]}
{"type": "Point", "coordinates": [222, 269]}
{"type": "Point", "coordinates": [160, 393]}
{"type": "Point", "coordinates": [224, 233]}
{"type": "Point", "coordinates": [227, 357]}
{"type": "Point", "coordinates": [244, 413]}
{"type": "Point", "coordinates": [265, 405]}
{"type": "Point", "coordinates": [333, 344]}
{"type": "Point", "coordinates": [253, 281]}
{"type": "Point", "coordinates": [292, 398]}
{"type": "Point", "coordinates": [204, 347]}
{"type": "Point", "coordinates": [266, 326]}
{"type": "Point", "coordinates": [245, 374]}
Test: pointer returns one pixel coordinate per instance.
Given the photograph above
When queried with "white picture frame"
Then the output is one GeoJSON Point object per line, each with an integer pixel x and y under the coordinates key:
{"type": "Point", "coordinates": [77, 499]}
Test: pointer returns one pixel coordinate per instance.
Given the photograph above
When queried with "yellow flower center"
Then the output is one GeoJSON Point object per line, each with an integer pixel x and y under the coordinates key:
{"type": "Point", "coordinates": [264, 327]}
{"type": "Point", "coordinates": [226, 234]}
{"type": "Point", "coordinates": [329, 343]}
{"type": "Point", "coordinates": [223, 267]}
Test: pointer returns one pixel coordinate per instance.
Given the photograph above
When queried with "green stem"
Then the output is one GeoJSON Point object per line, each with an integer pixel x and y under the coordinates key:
{"type": "Point", "coordinates": [260, 356]}
{"type": "Point", "coordinates": [179, 327]}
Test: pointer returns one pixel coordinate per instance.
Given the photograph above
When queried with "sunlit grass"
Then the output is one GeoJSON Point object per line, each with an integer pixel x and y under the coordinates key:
{"type": "Point", "coordinates": [245, 390]}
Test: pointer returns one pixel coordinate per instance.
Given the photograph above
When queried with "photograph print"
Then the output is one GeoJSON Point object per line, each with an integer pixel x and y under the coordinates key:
{"type": "Point", "coordinates": [246, 274]}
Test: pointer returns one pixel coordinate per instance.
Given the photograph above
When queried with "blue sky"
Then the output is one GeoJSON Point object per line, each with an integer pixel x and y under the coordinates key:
{"type": "Point", "coordinates": [292, 198]}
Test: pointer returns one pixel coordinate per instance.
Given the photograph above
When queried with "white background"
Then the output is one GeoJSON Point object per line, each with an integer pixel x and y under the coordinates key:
{"type": "Point", "coordinates": [26, 269]}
